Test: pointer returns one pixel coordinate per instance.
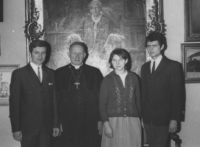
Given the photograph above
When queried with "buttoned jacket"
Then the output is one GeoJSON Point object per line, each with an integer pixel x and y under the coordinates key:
{"type": "Point", "coordinates": [117, 100]}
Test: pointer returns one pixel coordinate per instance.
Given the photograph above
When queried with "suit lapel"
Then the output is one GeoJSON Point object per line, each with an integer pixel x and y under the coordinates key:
{"type": "Point", "coordinates": [149, 67]}
{"type": "Point", "coordinates": [45, 76]}
{"type": "Point", "coordinates": [148, 70]}
{"type": "Point", "coordinates": [32, 73]}
{"type": "Point", "coordinates": [161, 67]}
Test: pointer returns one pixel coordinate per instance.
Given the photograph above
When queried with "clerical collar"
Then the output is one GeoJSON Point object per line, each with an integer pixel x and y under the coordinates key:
{"type": "Point", "coordinates": [76, 66]}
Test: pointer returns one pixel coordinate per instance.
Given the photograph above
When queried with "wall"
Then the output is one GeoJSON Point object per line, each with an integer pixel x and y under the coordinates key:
{"type": "Point", "coordinates": [174, 18]}
{"type": "Point", "coordinates": [13, 51]}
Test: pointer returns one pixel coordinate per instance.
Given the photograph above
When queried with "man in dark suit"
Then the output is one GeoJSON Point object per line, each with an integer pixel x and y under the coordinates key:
{"type": "Point", "coordinates": [33, 110]}
{"type": "Point", "coordinates": [162, 92]}
{"type": "Point", "coordinates": [77, 87]}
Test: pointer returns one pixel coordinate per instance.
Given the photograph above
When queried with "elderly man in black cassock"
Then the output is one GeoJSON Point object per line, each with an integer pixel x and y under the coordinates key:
{"type": "Point", "coordinates": [77, 88]}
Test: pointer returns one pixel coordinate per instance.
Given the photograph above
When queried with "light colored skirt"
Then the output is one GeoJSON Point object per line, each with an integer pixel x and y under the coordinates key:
{"type": "Point", "coordinates": [126, 132]}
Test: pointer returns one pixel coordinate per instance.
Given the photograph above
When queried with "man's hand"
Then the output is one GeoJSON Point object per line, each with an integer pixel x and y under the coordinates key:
{"type": "Point", "coordinates": [17, 136]}
{"type": "Point", "coordinates": [61, 129]}
{"type": "Point", "coordinates": [56, 132]}
{"type": "Point", "coordinates": [173, 126]}
{"type": "Point", "coordinates": [100, 127]}
{"type": "Point", "coordinates": [108, 130]}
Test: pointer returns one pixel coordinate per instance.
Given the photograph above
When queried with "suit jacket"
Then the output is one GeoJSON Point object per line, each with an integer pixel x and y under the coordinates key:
{"type": "Point", "coordinates": [32, 104]}
{"type": "Point", "coordinates": [162, 92]}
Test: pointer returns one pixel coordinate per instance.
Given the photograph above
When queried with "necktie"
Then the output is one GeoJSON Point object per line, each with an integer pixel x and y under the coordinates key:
{"type": "Point", "coordinates": [39, 76]}
{"type": "Point", "coordinates": [153, 68]}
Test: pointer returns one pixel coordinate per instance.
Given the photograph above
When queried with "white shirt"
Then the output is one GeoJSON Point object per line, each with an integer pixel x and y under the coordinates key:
{"type": "Point", "coordinates": [157, 62]}
{"type": "Point", "coordinates": [123, 77]}
{"type": "Point", "coordinates": [35, 68]}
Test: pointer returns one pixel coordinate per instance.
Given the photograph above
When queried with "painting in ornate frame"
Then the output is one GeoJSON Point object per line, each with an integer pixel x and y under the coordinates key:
{"type": "Point", "coordinates": [5, 77]}
{"type": "Point", "coordinates": [192, 21]}
{"type": "Point", "coordinates": [1, 10]}
{"type": "Point", "coordinates": [58, 22]}
{"type": "Point", "coordinates": [0, 44]}
{"type": "Point", "coordinates": [191, 62]}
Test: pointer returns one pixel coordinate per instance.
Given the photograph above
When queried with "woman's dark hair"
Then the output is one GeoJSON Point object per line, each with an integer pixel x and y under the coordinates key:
{"type": "Point", "coordinates": [41, 43]}
{"type": "Point", "coordinates": [123, 54]}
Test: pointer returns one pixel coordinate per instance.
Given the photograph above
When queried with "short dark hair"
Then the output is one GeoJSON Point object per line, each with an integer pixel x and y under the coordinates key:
{"type": "Point", "coordinates": [38, 43]}
{"type": "Point", "coordinates": [123, 54]}
{"type": "Point", "coordinates": [41, 43]}
{"type": "Point", "coordinates": [156, 36]}
{"type": "Point", "coordinates": [83, 45]}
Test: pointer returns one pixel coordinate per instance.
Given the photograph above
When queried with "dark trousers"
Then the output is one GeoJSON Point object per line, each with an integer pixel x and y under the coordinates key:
{"type": "Point", "coordinates": [156, 135]}
{"type": "Point", "coordinates": [42, 139]}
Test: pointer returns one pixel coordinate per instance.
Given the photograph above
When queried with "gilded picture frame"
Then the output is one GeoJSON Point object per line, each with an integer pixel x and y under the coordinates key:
{"type": "Point", "coordinates": [62, 22]}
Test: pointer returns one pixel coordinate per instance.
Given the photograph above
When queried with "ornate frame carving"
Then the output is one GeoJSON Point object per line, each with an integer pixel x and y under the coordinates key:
{"type": "Point", "coordinates": [150, 20]}
{"type": "Point", "coordinates": [34, 29]}
{"type": "Point", "coordinates": [154, 16]}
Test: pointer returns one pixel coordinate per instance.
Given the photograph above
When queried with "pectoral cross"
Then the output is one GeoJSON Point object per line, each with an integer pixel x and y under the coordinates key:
{"type": "Point", "coordinates": [77, 83]}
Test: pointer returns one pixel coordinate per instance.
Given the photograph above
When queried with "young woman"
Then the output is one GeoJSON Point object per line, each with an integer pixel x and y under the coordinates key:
{"type": "Point", "coordinates": [120, 103]}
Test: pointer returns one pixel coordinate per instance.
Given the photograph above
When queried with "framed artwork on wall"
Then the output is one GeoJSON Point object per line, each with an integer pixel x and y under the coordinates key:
{"type": "Point", "coordinates": [1, 10]}
{"type": "Point", "coordinates": [0, 44]}
{"type": "Point", "coordinates": [192, 21]}
{"type": "Point", "coordinates": [122, 24]}
{"type": "Point", "coordinates": [191, 62]}
{"type": "Point", "coordinates": [5, 78]}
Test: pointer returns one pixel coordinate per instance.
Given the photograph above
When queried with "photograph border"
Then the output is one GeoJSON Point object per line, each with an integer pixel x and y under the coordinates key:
{"type": "Point", "coordinates": [10, 68]}
{"type": "Point", "coordinates": [189, 35]}
{"type": "Point", "coordinates": [184, 48]}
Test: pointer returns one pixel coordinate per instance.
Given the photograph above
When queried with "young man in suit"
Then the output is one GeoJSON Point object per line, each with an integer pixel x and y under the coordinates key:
{"type": "Point", "coordinates": [162, 91]}
{"type": "Point", "coordinates": [33, 106]}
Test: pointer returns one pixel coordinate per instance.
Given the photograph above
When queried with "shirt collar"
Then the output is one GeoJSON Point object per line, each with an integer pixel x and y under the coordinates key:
{"type": "Point", "coordinates": [35, 68]}
{"type": "Point", "coordinates": [157, 61]}
{"type": "Point", "coordinates": [114, 73]}
{"type": "Point", "coordinates": [33, 65]}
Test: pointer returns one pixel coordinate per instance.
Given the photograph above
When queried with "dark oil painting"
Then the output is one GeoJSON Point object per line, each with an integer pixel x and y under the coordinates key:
{"type": "Point", "coordinates": [102, 24]}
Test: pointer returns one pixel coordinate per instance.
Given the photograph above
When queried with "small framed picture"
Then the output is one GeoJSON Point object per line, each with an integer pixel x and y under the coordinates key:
{"type": "Point", "coordinates": [191, 62]}
{"type": "Point", "coordinates": [5, 78]}
{"type": "Point", "coordinates": [1, 10]}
